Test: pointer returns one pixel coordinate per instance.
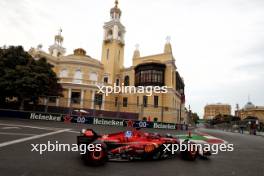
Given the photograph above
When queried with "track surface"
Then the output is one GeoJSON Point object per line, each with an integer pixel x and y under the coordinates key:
{"type": "Point", "coordinates": [18, 160]}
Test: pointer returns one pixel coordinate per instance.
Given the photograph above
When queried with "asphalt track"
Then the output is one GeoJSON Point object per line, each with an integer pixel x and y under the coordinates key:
{"type": "Point", "coordinates": [16, 158]}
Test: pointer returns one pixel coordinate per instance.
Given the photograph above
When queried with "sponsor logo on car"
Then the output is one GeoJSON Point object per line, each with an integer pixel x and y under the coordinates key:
{"type": "Point", "coordinates": [49, 117]}
{"type": "Point", "coordinates": [128, 134]}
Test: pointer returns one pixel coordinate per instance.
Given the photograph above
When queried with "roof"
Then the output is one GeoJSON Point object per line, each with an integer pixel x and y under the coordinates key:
{"type": "Point", "coordinates": [249, 105]}
{"type": "Point", "coordinates": [218, 104]}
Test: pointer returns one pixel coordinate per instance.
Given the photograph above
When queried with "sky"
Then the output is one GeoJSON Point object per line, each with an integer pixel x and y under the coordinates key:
{"type": "Point", "coordinates": [218, 44]}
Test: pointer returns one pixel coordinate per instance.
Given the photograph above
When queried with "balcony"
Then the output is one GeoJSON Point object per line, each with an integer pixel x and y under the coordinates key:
{"type": "Point", "coordinates": [80, 81]}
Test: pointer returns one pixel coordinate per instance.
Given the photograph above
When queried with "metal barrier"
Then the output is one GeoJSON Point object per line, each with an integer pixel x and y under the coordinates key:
{"type": "Point", "coordinates": [86, 119]}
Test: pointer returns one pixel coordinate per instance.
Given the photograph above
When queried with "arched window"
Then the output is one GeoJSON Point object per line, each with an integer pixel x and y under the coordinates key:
{"type": "Point", "coordinates": [126, 81]}
{"type": "Point", "coordinates": [117, 82]}
{"type": "Point", "coordinates": [110, 32]}
{"type": "Point", "coordinates": [93, 76]}
{"type": "Point", "coordinates": [125, 101]}
{"type": "Point", "coordinates": [107, 53]}
{"type": "Point", "coordinates": [120, 35]}
{"type": "Point", "coordinates": [118, 55]}
{"type": "Point", "coordinates": [64, 73]}
{"type": "Point", "coordinates": [106, 79]}
{"type": "Point", "coordinates": [78, 76]}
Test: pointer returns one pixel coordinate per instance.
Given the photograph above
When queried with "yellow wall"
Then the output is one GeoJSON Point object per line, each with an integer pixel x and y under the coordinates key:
{"type": "Point", "coordinates": [259, 113]}
{"type": "Point", "coordinates": [115, 62]}
{"type": "Point", "coordinates": [210, 111]}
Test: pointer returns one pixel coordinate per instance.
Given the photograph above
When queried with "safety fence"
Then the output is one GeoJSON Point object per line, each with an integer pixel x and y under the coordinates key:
{"type": "Point", "coordinates": [240, 126]}
{"type": "Point", "coordinates": [86, 119]}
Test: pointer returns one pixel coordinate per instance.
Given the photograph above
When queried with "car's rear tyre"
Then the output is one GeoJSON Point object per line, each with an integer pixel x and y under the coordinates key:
{"type": "Point", "coordinates": [205, 154]}
{"type": "Point", "coordinates": [96, 158]}
{"type": "Point", "coordinates": [190, 153]}
{"type": "Point", "coordinates": [159, 153]}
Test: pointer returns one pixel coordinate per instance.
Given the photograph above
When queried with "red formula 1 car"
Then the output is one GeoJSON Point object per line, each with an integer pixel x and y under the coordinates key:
{"type": "Point", "coordinates": [131, 145]}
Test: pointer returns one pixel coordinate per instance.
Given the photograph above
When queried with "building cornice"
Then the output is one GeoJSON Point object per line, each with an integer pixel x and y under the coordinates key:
{"type": "Point", "coordinates": [154, 55]}
{"type": "Point", "coordinates": [80, 63]}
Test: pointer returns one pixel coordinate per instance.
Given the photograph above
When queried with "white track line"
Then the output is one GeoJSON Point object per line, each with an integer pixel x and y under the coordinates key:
{"type": "Point", "coordinates": [11, 127]}
{"type": "Point", "coordinates": [77, 132]}
{"type": "Point", "coordinates": [17, 134]}
{"type": "Point", "coordinates": [28, 126]}
{"type": "Point", "coordinates": [31, 138]}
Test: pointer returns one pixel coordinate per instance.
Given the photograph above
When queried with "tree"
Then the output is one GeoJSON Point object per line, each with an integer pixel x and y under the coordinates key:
{"type": "Point", "coordinates": [25, 78]}
{"type": "Point", "coordinates": [193, 117]}
{"type": "Point", "coordinates": [220, 118]}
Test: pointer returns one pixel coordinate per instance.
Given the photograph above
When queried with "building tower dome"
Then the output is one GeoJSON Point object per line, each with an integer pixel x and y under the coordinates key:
{"type": "Point", "coordinates": [115, 12]}
{"type": "Point", "coordinates": [59, 38]}
{"type": "Point", "coordinates": [113, 29]}
{"type": "Point", "coordinates": [136, 52]}
{"type": "Point", "coordinates": [167, 47]}
{"type": "Point", "coordinates": [79, 52]}
{"type": "Point", "coordinates": [56, 49]}
{"type": "Point", "coordinates": [249, 105]}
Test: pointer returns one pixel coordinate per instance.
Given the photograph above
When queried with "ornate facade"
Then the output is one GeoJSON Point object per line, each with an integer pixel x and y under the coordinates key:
{"type": "Point", "coordinates": [80, 75]}
{"type": "Point", "coordinates": [212, 110]}
{"type": "Point", "coordinates": [250, 110]}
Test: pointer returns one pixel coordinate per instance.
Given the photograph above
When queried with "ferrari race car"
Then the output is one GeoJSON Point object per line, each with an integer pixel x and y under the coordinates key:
{"type": "Point", "coordinates": [132, 145]}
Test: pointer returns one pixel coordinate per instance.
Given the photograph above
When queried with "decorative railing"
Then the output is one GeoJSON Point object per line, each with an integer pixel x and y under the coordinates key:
{"type": "Point", "coordinates": [80, 81]}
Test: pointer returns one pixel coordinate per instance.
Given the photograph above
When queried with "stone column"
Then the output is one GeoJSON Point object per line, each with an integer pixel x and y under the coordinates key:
{"type": "Point", "coordinates": [69, 97]}
{"type": "Point", "coordinates": [45, 101]}
{"type": "Point", "coordinates": [57, 101]}
{"type": "Point", "coordinates": [92, 104]}
{"type": "Point", "coordinates": [82, 97]}
{"type": "Point", "coordinates": [103, 101]}
{"type": "Point", "coordinates": [46, 104]}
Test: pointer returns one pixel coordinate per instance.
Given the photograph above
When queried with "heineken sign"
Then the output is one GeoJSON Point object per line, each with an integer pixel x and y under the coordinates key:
{"type": "Point", "coordinates": [48, 117]}
{"type": "Point", "coordinates": [111, 122]}
{"type": "Point", "coordinates": [92, 120]}
{"type": "Point", "coordinates": [106, 121]}
{"type": "Point", "coordinates": [164, 126]}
